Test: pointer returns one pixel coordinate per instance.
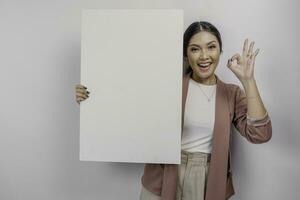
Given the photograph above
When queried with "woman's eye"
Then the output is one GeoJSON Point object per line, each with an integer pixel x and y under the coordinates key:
{"type": "Point", "coordinates": [193, 49]}
{"type": "Point", "coordinates": [212, 47]}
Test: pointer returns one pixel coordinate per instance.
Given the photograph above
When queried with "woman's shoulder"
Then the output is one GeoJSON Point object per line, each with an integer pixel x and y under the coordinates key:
{"type": "Point", "coordinates": [232, 86]}
{"type": "Point", "coordinates": [232, 89]}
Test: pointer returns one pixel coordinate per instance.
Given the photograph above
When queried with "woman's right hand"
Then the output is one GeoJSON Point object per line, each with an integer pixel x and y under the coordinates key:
{"type": "Point", "coordinates": [81, 93]}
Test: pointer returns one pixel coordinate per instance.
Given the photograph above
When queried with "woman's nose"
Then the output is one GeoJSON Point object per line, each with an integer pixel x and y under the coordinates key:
{"type": "Point", "coordinates": [203, 55]}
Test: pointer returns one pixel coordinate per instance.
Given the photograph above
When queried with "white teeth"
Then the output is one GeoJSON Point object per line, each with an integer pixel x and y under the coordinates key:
{"type": "Point", "coordinates": [204, 65]}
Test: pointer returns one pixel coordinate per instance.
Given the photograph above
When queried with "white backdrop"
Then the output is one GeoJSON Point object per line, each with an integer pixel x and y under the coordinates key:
{"type": "Point", "coordinates": [39, 118]}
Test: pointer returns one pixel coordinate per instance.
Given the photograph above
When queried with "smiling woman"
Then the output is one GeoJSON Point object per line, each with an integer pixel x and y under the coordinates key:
{"type": "Point", "coordinates": [209, 107]}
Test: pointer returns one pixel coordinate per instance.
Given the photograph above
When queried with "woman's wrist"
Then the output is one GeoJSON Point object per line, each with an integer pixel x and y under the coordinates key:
{"type": "Point", "coordinates": [248, 82]}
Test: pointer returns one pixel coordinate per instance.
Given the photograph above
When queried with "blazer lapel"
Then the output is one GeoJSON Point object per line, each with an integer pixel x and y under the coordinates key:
{"type": "Point", "coordinates": [217, 174]}
{"type": "Point", "coordinates": [185, 86]}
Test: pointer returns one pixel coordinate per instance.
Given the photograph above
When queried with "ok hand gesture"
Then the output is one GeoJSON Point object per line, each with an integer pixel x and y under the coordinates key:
{"type": "Point", "coordinates": [243, 66]}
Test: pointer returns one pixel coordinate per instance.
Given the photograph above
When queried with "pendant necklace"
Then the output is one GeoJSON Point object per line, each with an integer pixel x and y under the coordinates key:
{"type": "Point", "coordinates": [208, 98]}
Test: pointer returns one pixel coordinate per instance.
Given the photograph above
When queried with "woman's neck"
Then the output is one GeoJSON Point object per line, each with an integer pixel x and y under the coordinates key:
{"type": "Point", "coordinates": [212, 80]}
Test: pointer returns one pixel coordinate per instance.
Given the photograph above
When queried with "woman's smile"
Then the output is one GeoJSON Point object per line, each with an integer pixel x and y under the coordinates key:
{"type": "Point", "coordinates": [204, 67]}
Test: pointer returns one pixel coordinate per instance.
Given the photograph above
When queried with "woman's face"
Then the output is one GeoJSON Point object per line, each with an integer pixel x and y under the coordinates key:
{"type": "Point", "coordinates": [203, 54]}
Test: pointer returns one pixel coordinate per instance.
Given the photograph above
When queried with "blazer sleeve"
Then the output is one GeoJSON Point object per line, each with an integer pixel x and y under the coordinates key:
{"type": "Point", "coordinates": [254, 130]}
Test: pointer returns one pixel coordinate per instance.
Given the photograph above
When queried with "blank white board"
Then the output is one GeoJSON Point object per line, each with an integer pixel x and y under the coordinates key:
{"type": "Point", "coordinates": [131, 62]}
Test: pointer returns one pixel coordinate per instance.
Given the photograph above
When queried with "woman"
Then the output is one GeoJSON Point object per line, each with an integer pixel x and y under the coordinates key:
{"type": "Point", "coordinates": [209, 107]}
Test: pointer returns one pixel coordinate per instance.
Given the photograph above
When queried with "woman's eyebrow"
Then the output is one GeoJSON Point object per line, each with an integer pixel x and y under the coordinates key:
{"type": "Point", "coordinates": [194, 45]}
{"type": "Point", "coordinates": [211, 42]}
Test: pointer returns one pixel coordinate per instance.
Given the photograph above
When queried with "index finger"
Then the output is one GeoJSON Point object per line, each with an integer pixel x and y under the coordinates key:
{"type": "Point", "coordinates": [236, 57]}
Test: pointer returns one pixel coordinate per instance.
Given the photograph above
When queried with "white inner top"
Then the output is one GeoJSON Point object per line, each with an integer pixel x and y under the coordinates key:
{"type": "Point", "coordinates": [199, 118]}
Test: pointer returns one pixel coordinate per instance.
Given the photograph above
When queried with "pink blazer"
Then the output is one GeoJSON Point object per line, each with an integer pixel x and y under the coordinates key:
{"type": "Point", "coordinates": [231, 108]}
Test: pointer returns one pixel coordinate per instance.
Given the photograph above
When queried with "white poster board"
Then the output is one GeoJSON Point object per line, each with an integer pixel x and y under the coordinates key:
{"type": "Point", "coordinates": [131, 62]}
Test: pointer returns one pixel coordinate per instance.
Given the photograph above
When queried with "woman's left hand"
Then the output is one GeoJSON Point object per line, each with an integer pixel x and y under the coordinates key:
{"type": "Point", "coordinates": [243, 66]}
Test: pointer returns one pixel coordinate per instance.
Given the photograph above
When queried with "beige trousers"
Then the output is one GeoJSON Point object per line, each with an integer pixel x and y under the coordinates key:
{"type": "Point", "coordinates": [192, 178]}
